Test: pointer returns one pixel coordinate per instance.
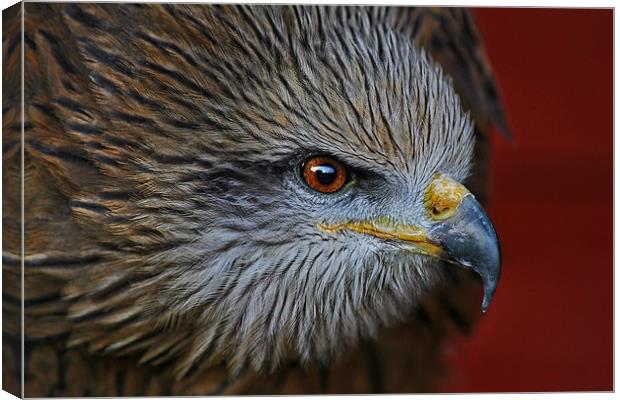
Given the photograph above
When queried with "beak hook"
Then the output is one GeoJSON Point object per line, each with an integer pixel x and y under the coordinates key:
{"type": "Point", "coordinates": [469, 240]}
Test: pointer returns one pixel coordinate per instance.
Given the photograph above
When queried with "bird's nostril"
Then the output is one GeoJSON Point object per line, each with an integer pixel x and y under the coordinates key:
{"type": "Point", "coordinates": [440, 209]}
{"type": "Point", "coordinates": [437, 210]}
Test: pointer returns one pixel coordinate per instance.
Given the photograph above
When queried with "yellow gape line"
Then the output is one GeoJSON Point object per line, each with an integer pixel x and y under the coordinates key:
{"type": "Point", "coordinates": [387, 229]}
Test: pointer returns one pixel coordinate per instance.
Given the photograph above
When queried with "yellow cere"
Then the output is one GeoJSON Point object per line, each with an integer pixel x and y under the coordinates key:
{"type": "Point", "coordinates": [443, 197]}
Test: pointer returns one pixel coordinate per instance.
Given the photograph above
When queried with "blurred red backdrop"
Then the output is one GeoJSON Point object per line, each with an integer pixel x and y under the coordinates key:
{"type": "Point", "coordinates": [550, 326]}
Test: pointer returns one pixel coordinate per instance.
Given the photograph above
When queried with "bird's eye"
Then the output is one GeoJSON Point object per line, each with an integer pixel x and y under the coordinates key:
{"type": "Point", "coordinates": [324, 174]}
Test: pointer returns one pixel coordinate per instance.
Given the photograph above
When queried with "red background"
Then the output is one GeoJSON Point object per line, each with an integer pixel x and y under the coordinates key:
{"type": "Point", "coordinates": [550, 325]}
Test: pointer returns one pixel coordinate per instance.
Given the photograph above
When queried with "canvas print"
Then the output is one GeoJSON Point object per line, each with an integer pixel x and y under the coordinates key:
{"type": "Point", "coordinates": [204, 199]}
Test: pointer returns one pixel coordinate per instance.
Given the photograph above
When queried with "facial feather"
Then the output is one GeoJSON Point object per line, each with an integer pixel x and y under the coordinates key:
{"type": "Point", "coordinates": [207, 121]}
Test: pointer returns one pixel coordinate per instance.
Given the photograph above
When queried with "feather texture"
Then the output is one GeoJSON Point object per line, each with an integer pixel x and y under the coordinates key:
{"type": "Point", "coordinates": [163, 228]}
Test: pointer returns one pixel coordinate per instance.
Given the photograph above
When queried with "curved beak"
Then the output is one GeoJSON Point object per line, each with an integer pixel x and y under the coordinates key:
{"type": "Point", "coordinates": [468, 239]}
{"type": "Point", "coordinates": [460, 232]}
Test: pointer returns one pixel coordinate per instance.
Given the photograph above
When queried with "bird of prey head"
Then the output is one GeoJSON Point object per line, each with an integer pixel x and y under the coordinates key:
{"type": "Point", "coordinates": [274, 181]}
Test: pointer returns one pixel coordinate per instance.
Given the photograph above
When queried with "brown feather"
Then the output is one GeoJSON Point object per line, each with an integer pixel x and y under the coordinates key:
{"type": "Point", "coordinates": [90, 250]}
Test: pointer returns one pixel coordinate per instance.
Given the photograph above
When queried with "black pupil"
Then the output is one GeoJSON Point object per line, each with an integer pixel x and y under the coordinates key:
{"type": "Point", "coordinates": [325, 173]}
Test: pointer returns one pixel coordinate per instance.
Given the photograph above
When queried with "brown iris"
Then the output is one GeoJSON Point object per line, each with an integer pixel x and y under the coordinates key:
{"type": "Point", "coordinates": [324, 174]}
